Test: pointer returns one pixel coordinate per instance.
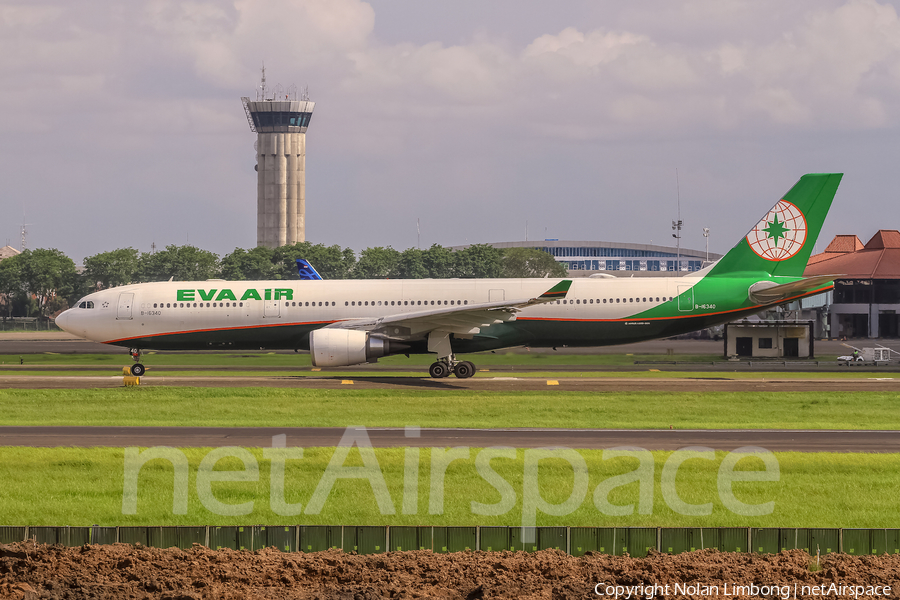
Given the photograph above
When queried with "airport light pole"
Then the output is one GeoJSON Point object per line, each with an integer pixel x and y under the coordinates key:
{"type": "Point", "coordinates": [706, 235]}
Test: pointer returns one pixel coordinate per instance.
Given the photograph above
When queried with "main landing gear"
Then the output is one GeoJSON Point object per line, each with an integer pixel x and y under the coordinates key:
{"type": "Point", "coordinates": [439, 343]}
{"type": "Point", "coordinates": [444, 366]}
{"type": "Point", "coordinates": [137, 369]}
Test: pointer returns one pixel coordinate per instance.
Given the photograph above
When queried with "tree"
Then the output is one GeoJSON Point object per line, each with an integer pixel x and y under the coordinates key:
{"type": "Point", "coordinates": [478, 261]}
{"type": "Point", "coordinates": [330, 261]}
{"type": "Point", "coordinates": [439, 262]}
{"type": "Point", "coordinates": [376, 263]}
{"type": "Point", "coordinates": [11, 285]}
{"type": "Point", "coordinates": [530, 262]}
{"type": "Point", "coordinates": [49, 275]}
{"type": "Point", "coordinates": [411, 265]}
{"type": "Point", "coordinates": [181, 263]}
{"type": "Point", "coordinates": [255, 264]}
{"type": "Point", "coordinates": [111, 269]}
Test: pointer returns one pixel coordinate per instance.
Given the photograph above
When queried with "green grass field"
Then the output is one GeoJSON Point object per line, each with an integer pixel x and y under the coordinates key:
{"type": "Point", "coordinates": [302, 361]}
{"type": "Point", "coordinates": [554, 408]}
{"type": "Point", "coordinates": [71, 486]}
{"type": "Point", "coordinates": [66, 486]}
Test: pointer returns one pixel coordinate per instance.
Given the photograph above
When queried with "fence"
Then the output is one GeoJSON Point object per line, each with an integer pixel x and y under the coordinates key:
{"type": "Point", "coordinates": [577, 541]}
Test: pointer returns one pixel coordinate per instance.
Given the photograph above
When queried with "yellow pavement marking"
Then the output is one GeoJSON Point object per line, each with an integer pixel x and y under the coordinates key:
{"type": "Point", "coordinates": [347, 382]}
{"type": "Point", "coordinates": [552, 382]}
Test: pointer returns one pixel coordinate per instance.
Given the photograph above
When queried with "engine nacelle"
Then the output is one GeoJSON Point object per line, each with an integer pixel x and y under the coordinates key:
{"type": "Point", "coordinates": [343, 347]}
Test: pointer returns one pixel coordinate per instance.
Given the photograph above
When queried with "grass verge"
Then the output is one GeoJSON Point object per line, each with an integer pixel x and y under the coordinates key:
{"type": "Point", "coordinates": [284, 407]}
{"type": "Point", "coordinates": [68, 486]}
{"type": "Point", "coordinates": [302, 360]}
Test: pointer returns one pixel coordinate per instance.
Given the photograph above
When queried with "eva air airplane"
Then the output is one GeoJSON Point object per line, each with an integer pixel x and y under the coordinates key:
{"type": "Point", "coordinates": [349, 322]}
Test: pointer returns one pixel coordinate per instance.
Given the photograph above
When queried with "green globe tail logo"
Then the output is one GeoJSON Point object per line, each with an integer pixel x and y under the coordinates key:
{"type": "Point", "coordinates": [780, 234]}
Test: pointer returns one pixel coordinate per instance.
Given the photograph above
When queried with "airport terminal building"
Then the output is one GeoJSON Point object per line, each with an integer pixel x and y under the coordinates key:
{"type": "Point", "coordinates": [865, 302]}
{"type": "Point", "coordinates": [583, 259]}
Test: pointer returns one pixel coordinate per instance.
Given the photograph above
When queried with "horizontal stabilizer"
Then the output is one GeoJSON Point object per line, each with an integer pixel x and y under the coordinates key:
{"type": "Point", "coordinates": [769, 292]}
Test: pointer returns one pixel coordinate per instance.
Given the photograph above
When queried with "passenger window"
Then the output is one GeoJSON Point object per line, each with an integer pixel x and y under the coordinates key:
{"type": "Point", "coordinates": [242, 304]}
{"type": "Point", "coordinates": [379, 303]}
{"type": "Point", "coordinates": [617, 300]}
{"type": "Point", "coordinates": [465, 301]}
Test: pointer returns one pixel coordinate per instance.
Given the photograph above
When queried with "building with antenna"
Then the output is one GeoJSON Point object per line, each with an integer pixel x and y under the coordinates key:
{"type": "Point", "coordinates": [280, 119]}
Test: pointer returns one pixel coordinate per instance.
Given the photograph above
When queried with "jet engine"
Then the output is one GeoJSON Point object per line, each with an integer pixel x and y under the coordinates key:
{"type": "Point", "coordinates": [343, 347]}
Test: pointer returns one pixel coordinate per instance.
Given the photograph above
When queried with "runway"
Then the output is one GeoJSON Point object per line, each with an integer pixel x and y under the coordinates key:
{"type": "Point", "coordinates": [878, 382]}
{"type": "Point", "coordinates": [650, 439]}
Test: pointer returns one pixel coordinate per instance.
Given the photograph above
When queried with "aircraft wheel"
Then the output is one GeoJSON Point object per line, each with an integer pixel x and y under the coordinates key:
{"type": "Point", "coordinates": [439, 370]}
{"type": "Point", "coordinates": [464, 370]}
{"type": "Point", "coordinates": [137, 369]}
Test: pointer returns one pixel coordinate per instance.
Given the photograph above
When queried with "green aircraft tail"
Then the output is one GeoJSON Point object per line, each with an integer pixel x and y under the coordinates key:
{"type": "Point", "coordinates": [782, 241]}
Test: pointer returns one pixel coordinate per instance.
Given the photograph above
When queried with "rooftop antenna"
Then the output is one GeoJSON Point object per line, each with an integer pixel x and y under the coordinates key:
{"type": "Point", "coordinates": [261, 91]}
{"type": "Point", "coordinates": [24, 236]}
{"type": "Point", "coordinates": [676, 225]}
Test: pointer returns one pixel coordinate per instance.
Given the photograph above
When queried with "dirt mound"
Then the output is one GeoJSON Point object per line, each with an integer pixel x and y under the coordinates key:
{"type": "Point", "coordinates": [119, 571]}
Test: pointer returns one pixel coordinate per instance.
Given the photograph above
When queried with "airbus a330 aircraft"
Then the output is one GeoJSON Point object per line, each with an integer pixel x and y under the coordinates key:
{"type": "Point", "coordinates": [349, 322]}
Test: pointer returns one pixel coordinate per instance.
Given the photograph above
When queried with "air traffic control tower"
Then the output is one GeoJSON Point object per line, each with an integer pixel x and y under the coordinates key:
{"type": "Point", "coordinates": [280, 121]}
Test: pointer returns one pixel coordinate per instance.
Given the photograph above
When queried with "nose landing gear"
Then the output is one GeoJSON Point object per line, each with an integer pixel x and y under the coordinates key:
{"type": "Point", "coordinates": [137, 369]}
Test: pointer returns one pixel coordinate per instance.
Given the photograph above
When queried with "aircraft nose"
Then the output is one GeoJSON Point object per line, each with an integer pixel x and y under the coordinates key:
{"type": "Point", "coordinates": [63, 320]}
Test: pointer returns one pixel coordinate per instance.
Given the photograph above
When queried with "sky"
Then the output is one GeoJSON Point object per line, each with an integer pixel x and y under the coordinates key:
{"type": "Point", "coordinates": [121, 122]}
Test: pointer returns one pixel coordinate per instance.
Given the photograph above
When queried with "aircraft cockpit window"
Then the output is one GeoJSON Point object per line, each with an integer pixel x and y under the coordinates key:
{"type": "Point", "coordinates": [82, 305]}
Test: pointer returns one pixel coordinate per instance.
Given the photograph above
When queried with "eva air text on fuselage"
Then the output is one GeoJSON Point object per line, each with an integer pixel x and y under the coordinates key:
{"type": "Point", "coordinates": [227, 294]}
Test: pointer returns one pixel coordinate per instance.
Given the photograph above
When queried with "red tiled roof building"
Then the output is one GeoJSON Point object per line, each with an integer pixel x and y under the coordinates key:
{"type": "Point", "coordinates": [866, 298]}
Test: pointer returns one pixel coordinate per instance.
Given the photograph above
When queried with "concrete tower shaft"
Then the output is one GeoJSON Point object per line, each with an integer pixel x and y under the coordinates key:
{"type": "Point", "coordinates": [281, 168]}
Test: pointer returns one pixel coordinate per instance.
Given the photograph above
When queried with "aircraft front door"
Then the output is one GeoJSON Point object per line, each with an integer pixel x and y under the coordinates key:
{"type": "Point", "coordinates": [272, 309]}
{"type": "Point", "coordinates": [124, 309]}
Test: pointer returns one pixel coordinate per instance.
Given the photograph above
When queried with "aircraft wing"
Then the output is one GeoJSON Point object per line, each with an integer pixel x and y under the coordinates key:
{"type": "Point", "coordinates": [459, 320]}
{"type": "Point", "coordinates": [767, 292]}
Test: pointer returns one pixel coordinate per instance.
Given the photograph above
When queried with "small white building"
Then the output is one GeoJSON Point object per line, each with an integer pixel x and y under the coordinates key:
{"type": "Point", "coordinates": [766, 339]}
